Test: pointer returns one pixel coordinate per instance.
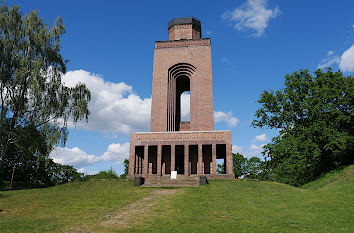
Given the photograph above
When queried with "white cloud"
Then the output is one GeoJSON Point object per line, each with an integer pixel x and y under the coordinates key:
{"type": "Point", "coordinates": [185, 106]}
{"type": "Point", "coordinates": [256, 149]}
{"type": "Point", "coordinates": [261, 138]}
{"type": "Point", "coordinates": [219, 116]}
{"type": "Point", "coordinates": [79, 158]}
{"type": "Point", "coordinates": [237, 149]}
{"type": "Point", "coordinates": [74, 156]}
{"type": "Point", "coordinates": [347, 60]}
{"type": "Point", "coordinates": [253, 150]}
{"type": "Point", "coordinates": [114, 107]}
{"type": "Point", "coordinates": [252, 15]}
{"type": "Point", "coordinates": [209, 33]}
{"type": "Point", "coordinates": [225, 117]}
{"type": "Point", "coordinates": [87, 172]}
{"type": "Point", "coordinates": [330, 60]}
{"type": "Point", "coordinates": [116, 151]}
{"type": "Point", "coordinates": [224, 59]}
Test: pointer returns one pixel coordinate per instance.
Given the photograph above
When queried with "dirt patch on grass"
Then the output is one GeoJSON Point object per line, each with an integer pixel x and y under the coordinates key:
{"type": "Point", "coordinates": [125, 216]}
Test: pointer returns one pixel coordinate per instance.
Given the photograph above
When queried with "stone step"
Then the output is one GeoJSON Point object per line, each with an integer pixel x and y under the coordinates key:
{"type": "Point", "coordinates": [170, 185]}
{"type": "Point", "coordinates": [171, 181]}
{"type": "Point", "coordinates": [165, 181]}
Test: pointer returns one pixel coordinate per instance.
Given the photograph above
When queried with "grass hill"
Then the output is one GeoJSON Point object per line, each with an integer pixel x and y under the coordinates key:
{"type": "Point", "coordinates": [325, 205]}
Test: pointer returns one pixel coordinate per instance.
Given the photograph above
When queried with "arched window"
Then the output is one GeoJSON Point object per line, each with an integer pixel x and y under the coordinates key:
{"type": "Point", "coordinates": [179, 77]}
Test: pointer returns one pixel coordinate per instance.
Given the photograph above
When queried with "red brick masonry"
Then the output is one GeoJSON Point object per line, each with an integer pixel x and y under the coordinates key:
{"type": "Point", "coordinates": [140, 166]}
{"type": "Point", "coordinates": [181, 64]}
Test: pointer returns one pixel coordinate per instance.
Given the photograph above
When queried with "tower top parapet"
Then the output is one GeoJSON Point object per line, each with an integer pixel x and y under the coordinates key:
{"type": "Point", "coordinates": [184, 28]}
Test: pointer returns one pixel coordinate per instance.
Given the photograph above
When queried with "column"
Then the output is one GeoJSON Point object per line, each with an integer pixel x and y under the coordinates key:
{"type": "Point", "coordinates": [137, 165]}
{"type": "Point", "coordinates": [186, 159]}
{"type": "Point", "coordinates": [159, 148]}
{"type": "Point", "coordinates": [132, 160]}
{"type": "Point", "coordinates": [228, 160]}
{"type": "Point", "coordinates": [173, 156]}
{"type": "Point", "coordinates": [200, 159]}
{"type": "Point", "coordinates": [213, 159]}
{"type": "Point", "coordinates": [146, 159]}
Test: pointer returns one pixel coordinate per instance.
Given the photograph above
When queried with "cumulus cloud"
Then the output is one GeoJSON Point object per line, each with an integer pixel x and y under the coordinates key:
{"type": "Point", "coordinates": [256, 149]}
{"type": "Point", "coordinates": [261, 138]}
{"type": "Point", "coordinates": [330, 60]}
{"type": "Point", "coordinates": [114, 107]}
{"type": "Point", "coordinates": [225, 117]}
{"type": "Point", "coordinates": [253, 150]}
{"type": "Point", "coordinates": [87, 172]}
{"type": "Point", "coordinates": [219, 116]}
{"type": "Point", "coordinates": [185, 106]}
{"type": "Point", "coordinates": [237, 149]}
{"type": "Point", "coordinates": [79, 158]}
{"type": "Point", "coordinates": [116, 152]}
{"type": "Point", "coordinates": [347, 60]}
{"type": "Point", "coordinates": [252, 15]}
{"type": "Point", "coordinates": [73, 156]}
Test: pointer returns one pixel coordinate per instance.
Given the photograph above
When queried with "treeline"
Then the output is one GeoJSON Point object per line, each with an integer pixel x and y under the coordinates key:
{"type": "Point", "coordinates": [46, 173]}
{"type": "Point", "coordinates": [252, 168]}
{"type": "Point", "coordinates": [315, 120]}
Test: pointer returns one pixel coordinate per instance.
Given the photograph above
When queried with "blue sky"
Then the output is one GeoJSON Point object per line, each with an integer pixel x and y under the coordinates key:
{"type": "Point", "coordinates": [255, 43]}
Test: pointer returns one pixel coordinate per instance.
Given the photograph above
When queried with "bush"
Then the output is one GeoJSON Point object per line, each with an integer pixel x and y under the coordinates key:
{"type": "Point", "coordinates": [108, 174]}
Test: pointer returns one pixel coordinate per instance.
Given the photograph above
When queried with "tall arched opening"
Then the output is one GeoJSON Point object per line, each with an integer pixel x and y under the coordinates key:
{"type": "Point", "coordinates": [178, 83]}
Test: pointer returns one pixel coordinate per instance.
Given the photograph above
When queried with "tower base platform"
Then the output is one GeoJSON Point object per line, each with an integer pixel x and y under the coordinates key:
{"type": "Point", "coordinates": [190, 153]}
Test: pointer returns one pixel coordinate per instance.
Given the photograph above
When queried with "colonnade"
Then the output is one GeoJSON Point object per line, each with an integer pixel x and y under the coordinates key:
{"type": "Point", "coordinates": [143, 167]}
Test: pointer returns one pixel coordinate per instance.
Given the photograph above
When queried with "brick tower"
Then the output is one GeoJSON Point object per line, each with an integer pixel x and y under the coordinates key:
{"type": "Point", "coordinates": [183, 63]}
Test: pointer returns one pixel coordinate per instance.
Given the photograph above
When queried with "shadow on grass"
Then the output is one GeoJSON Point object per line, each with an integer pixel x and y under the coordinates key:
{"type": "Point", "coordinates": [5, 186]}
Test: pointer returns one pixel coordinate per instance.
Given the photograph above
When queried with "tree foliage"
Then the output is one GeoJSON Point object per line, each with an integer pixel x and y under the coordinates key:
{"type": "Point", "coordinates": [126, 169]}
{"type": "Point", "coordinates": [239, 164]}
{"type": "Point", "coordinates": [315, 119]}
{"type": "Point", "coordinates": [35, 104]}
{"type": "Point", "coordinates": [253, 168]}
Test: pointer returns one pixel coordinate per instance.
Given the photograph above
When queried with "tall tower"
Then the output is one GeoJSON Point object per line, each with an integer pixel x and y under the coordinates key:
{"type": "Point", "coordinates": [182, 63]}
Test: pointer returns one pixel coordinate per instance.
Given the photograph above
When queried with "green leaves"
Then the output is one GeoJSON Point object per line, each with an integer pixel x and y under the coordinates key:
{"type": "Point", "coordinates": [32, 94]}
{"type": "Point", "coordinates": [314, 115]}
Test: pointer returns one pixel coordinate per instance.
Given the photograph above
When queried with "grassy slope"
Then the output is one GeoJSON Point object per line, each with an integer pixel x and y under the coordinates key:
{"type": "Point", "coordinates": [326, 205]}
{"type": "Point", "coordinates": [52, 209]}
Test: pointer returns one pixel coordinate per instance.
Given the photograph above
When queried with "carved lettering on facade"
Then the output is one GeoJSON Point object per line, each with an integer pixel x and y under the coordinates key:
{"type": "Point", "coordinates": [179, 136]}
{"type": "Point", "coordinates": [171, 44]}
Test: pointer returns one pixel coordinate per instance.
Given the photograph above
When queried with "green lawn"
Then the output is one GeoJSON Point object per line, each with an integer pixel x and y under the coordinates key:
{"type": "Point", "coordinates": [326, 205]}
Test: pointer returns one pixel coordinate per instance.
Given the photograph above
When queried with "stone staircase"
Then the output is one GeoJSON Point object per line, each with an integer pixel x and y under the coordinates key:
{"type": "Point", "coordinates": [181, 181]}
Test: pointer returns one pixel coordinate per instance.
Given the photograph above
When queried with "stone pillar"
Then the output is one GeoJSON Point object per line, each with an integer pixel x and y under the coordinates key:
{"type": "Point", "coordinates": [146, 159]}
{"type": "Point", "coordinates": [228, 160]}
{"type": "Point", "coordinates": [132, 160]}
{"type": "Point", "coordinates": [150, 169]}
{"type": "Point", "coordinates": [173, 157]}
{"type": "Point", "coordinates": [186, 159]}
{"type": "Point", "coordinates": [137, 164]}
{"type": "Point", "coordinates": [213, 160]}
{"type": "Point", "coordinates": [200, 159]}
{"type": "Point", "coordinates": [159, 149]}
{"type": "Point", "coordinates": [163, 168]}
